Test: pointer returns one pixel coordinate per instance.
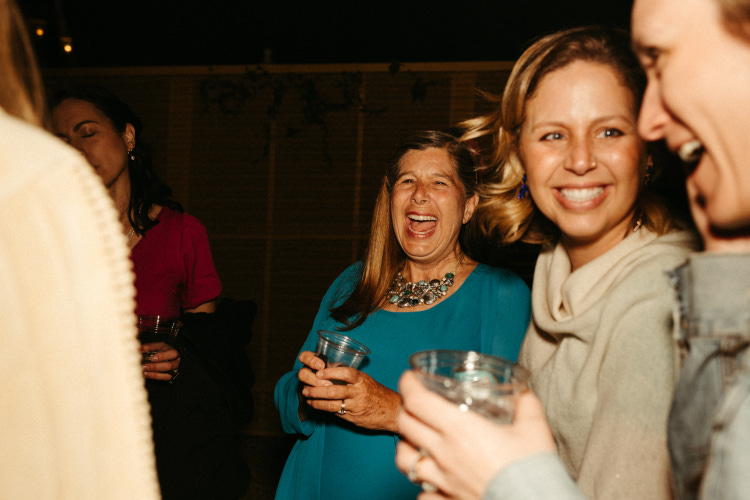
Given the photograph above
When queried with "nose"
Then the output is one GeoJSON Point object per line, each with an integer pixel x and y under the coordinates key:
{"type": "Point", "coordinates": [580, 156]}
{"type": "Point", "coordinates": [420, 194]}
{"type": "Point", "coordinates": [653, 118]}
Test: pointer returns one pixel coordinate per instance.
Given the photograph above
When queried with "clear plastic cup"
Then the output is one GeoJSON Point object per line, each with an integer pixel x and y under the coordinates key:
{"type": "Point", "coordinates": [486, 384]}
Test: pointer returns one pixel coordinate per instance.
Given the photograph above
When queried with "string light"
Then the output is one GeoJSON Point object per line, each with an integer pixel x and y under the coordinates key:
{"type": "Point", "coordinates": [67, 44]}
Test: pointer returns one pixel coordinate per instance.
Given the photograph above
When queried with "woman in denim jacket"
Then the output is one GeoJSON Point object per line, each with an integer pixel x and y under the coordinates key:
{"type": "Point", "coordinates": [697, 102]}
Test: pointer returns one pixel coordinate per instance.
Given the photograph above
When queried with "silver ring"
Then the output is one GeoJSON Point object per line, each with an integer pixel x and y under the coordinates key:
{"type": "Point", "coordinates": [342, 411]}
{"type": "Point", "coordinates": [428, 487]}
{"type": "Point", "coordinates": [174, 374]}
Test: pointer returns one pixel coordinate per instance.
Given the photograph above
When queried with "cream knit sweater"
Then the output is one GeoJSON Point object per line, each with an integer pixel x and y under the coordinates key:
{"type": "Point", "coordinates": [602, 360]}
{"type": "Point", "coordinates": [74, 415]}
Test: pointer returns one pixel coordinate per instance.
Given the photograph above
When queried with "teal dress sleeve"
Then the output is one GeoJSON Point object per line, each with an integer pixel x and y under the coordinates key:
{"type": "Point", "coordinates": [299, 476]}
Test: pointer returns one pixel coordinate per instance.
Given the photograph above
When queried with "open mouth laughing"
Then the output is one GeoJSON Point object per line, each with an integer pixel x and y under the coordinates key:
{"type": "Point", "coordinates": [691, 153]}
{"type": "Point", "coordinates": [421, 224]}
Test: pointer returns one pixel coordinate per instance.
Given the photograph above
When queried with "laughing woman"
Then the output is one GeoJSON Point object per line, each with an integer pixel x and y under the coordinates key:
{"type": "Point", "coordinates": [347, 433]}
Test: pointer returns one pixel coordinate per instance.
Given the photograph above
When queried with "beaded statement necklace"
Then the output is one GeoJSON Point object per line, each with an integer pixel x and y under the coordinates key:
{"type": "Point", "coordinates": [407, 294]}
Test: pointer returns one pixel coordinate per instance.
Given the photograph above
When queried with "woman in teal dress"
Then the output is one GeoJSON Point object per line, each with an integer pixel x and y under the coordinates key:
{"type": "Point", "coordinates": [420, 232]}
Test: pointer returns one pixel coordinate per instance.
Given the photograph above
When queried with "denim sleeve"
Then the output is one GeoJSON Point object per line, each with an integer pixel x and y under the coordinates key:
{"type": "Point", "coordinates": [538, 477]}
{"type": "Point", "coordinates": [729, 459]}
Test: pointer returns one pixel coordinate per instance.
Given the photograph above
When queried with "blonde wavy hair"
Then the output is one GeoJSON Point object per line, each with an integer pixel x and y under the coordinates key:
{"type": "Point", "coordinates": [21, 90]}
{"type": "Point", "coordinates": [502, 215]}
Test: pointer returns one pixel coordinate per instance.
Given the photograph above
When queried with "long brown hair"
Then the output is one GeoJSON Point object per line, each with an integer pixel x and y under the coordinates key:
{"type": "Point", "coordinates": [504, 216]}
{"type": "Point", "coordinates": [384, 256]}
{"type": "Point", "coordinates": [21, 90]}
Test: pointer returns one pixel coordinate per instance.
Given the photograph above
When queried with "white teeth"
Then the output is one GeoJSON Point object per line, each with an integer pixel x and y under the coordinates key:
{"type": "Point", "coordinates": [581, 194]}
{"type": "Point", "coordinates": [421, 218]}
{"type": "Point", "coordinates": [691, 152]}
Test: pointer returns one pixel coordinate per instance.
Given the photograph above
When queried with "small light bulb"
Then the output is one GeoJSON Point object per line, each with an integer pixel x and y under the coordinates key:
{"type": "Point", "coordinates": [68, 48]}
{"type": "Point", "coordinates": [39, 32]}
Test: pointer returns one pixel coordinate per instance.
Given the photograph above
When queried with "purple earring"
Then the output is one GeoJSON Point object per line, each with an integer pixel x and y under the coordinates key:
{"type": "Point", "coordinates": [524, 189]}
{"type": "Point", "coordinates": [649, 173]}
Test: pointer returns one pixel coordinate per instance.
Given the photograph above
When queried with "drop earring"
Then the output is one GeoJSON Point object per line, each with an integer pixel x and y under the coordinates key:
{"type": "Point", "coordinates": [131, 154]}
{"type": "Point", "coordinates": [649, 173]}
{"type": "Point", "coordinates": [524, 191]}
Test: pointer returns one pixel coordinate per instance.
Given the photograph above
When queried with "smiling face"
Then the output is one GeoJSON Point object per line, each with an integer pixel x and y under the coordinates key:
{"type": "Point", "coordinates": [583, 157]}
{"type": "Point", "coordinates": [697, 99]}
{"type": "Point", "coordinates": [86, 128]}
{"type": "Point", "coordinates": [428, 206]}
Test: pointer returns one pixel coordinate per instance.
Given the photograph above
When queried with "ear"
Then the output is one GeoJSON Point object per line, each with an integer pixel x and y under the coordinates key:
{"type": "Point", "coordinates": [128, 136]}
{"type": "Point", "coordinates": [470, 207]}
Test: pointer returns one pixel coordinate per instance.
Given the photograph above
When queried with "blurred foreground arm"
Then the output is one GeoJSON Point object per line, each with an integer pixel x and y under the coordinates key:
{"type": "Point", "coordinates": [469, 456]}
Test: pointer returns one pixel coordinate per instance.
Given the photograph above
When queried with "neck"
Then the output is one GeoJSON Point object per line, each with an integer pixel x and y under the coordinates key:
{"type": "Point", "coordinates": [581, 253]}
{"type": "Point", "coordinates": [416, 271]}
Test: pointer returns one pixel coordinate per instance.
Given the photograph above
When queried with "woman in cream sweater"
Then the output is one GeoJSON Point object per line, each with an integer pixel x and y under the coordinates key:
{"type": "Point", "coordinates": [572, 174]}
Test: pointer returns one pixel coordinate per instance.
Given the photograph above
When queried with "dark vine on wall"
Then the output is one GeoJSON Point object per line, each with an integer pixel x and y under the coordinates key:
{"type": "Point", "coordinates": [234, 95]}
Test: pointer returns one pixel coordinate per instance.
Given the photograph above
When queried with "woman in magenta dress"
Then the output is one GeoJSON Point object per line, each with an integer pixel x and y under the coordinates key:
{"type": "Point", "coordinates": [174, 275]}
{"type": "Point", "coordinates": [171, 258]}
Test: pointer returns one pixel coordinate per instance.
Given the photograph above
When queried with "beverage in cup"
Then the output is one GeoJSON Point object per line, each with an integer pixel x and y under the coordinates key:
{"type": "Point", "coordinates": [486, 384]}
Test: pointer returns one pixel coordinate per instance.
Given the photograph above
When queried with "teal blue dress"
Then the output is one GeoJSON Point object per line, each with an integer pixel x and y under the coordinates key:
{"type": "Point", "coordinates": [333, 459]}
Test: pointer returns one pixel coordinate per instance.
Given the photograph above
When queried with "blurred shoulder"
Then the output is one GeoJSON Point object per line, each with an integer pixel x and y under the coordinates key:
{"type": "Point", "coordinates": [498, 275]}
{"type": "Point", "coordinates": [27, 150]}
{"type": "Point", "coordinates": [671, 249]}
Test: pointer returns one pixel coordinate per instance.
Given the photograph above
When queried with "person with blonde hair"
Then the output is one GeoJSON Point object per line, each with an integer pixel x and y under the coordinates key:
{"type": "Point", "coordinates": [74, 417]}
{"type": "Point", "coordinates": [569, 171]}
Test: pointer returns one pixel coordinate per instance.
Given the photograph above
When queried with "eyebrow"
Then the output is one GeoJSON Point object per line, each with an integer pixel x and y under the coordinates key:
{"type": "Point", "coordinates": [430, 175]}
{"type": "Point", "coordinates": [84, 122]}
{"type": "Point", "coordinates": [597, 121]}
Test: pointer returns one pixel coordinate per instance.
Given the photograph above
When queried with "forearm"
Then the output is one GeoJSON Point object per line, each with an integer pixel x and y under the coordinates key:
{"type": "Point", "coordinates": [539, 477]}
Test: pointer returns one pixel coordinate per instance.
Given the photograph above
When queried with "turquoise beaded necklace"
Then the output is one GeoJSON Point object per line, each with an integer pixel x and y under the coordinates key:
{"type": "Point", "coordinates": [407, 294]}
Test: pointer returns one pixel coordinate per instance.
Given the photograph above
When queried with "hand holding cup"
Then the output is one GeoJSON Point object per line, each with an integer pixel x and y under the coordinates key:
{"type": "Point", "coordinates": [159, 358]}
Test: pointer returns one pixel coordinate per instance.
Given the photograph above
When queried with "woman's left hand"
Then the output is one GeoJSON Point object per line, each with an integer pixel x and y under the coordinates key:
{"type": "Point", "coordinates": [365, 402]}
{"type": "Point", "coordinates": [163, 365]}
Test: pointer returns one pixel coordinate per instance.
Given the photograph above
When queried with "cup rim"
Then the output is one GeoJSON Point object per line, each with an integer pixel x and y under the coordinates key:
{"type": "Point", "coordinates": [521, 375]}
{"type": "Point", "coordinates": [359, 349]}
{"type": "Point", "coordinates": [161, 319]}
